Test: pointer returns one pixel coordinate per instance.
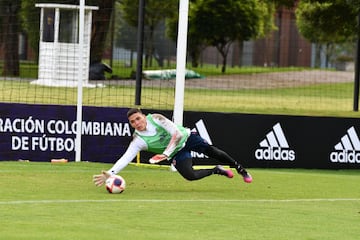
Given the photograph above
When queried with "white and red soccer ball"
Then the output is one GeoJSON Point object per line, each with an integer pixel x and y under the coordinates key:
{"type": "Point", "coordinates": [115, 184]}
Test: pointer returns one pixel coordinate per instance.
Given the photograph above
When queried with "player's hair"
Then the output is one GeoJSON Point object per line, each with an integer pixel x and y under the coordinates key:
{"type": "Point", "coordinates": [132, 111]}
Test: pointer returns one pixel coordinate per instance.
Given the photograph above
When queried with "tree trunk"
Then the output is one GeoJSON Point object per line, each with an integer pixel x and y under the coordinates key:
{"type": "Point", "coordinates": [195, 55]}
{"type": "Point", "coordinates": [11, 38]}
{"type": "Point", "coordinates": [100, 28]}
{"type": "Point", "coordinates": [149, 47]}
{"type": "Point", "coordinates": [224, 58]}
{"type": "Point", "coordinates": [224, 50]}
{"type": "Point", "coordinates": [317, 55]}
{"type": "Point", "coordinates": [223, 68]}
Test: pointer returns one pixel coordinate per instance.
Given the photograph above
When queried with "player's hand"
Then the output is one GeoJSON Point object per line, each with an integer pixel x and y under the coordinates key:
{"type": "Point", "coordinates": [100, 179]}
{"type": "Point", "coordinates": [158, 158]}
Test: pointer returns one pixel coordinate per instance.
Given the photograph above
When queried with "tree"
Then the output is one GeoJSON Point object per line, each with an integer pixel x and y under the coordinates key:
{"type": "Point", "coordinates": [10, 30]}
{"type": "Point", "coordinates": [283, 3]}
{"type": "Point", "coordinates": [264, 17]}
{"type": "Point", "coordinates": [125, 35]}
{"type": "Point", "coordinates": [221, 23]}
{"type": "Point", "coordinates": [195, 44]}
{"type": "Point", "coordinates": [100, 29]}
{"type": "Point", "coordinates": [155, 14]}
{"type": "Point", "coordinates": [327, 23]}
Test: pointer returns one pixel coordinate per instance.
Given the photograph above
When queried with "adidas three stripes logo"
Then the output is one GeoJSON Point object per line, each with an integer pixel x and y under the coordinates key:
{"type": "Point", "coordinates": [275, 138]}
{"type": "Point", "coordinates": [275, 146]}
{"type": "Point", "coordinates": [349, 142]}
{"type": "Point", "coordinates": [348, 149]}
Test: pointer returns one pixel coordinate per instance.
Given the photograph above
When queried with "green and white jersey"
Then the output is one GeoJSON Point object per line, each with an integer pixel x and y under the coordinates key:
{"type": "Point", "coordinates": [167, 138]}
{"type": "Point", "coordinates": [160, 136]}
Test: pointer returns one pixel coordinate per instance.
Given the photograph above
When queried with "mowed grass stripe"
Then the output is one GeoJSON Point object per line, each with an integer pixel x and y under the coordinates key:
{"type": "Point", "coordinates": [177, 201]}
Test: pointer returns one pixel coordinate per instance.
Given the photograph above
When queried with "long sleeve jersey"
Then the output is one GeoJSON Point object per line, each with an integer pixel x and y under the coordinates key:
{"type": "Point", "coordinates": [160, 136]}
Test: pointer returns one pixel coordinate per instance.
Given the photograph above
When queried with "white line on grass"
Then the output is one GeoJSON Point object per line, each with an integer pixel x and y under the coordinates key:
{"type": "Point", "coordinates": [179, 200]}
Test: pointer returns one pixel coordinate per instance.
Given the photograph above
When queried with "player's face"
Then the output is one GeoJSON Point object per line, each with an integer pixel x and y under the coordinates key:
{"type": "Point", "coordinates": [138, 121]}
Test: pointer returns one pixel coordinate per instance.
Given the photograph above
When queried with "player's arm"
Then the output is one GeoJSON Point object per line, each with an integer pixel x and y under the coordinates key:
{"type": "Point", "coordinates": [135, 146]}
{"type": "Point", "coordinates": [176, 136]}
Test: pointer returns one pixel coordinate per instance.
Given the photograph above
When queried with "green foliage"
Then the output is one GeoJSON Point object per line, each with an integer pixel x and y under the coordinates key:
{"type": "Point", "coordinates": [327, 21]}
{"type": "Point", "coordinates": [9, 42]}
{"type": "Point", "coordinates": [221, 23]}
{"type": "Point", "coordinates": [155, 11]}
{"type": "Point", "coordinates": [155, 14]}
{"type": "Point", "coordinates": [282, 3]}
{"type": "Point", "coordinates": [50, 201]}
{"type": "Point", "coordinates": [267, 13]}
{"type": "Point", "coordinates": [126, 35]}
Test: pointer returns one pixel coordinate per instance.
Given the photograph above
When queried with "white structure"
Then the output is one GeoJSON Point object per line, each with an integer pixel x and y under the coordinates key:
{"type": "Point", "coordinates": [59, 45]}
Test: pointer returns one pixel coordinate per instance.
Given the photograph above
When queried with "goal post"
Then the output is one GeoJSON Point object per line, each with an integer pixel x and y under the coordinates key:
{"type": "Point", "coordinates": [80, 82]}
{"type": "Point", "coordinates": [180, 64]}
{"type": "Point", "coordinates": [181, 61]}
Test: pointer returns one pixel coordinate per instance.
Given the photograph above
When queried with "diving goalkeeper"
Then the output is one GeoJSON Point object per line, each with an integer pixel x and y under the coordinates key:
{"type": "Point", "coordinates": [168, 141]}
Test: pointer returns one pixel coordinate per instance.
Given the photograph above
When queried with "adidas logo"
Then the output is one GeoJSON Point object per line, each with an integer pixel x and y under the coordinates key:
{"type": "Point", "coordinates": [348, 149]}
{"type": "Point", "coordinates": [275, 146]}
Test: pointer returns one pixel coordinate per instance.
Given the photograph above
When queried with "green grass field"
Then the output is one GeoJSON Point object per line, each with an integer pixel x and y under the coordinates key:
{"type": "Point", "coordinates": [315, 100]}
{"type": "Point", "coordinates": [59, 201]}
{"type": "Point", "coordinates": [334, 99]}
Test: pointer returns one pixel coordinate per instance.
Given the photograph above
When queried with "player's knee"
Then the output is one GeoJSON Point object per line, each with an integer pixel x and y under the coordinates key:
{"type": "Point", "coordinates": [190, 177]}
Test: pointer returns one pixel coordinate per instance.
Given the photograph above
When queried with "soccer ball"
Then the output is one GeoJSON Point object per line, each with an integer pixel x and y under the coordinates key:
{"type": "Point", "coordinates": [115, 184]}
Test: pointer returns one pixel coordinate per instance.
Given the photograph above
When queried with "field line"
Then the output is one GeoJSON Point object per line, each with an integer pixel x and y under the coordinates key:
{"type": "Point", "coordinates": [177, 200]}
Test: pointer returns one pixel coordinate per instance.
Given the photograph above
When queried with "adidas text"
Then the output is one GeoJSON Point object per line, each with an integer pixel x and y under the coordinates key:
{"type": "Point", "coordinates": [345, 157]}
{"type": "Point", "coordinates": [275, 154]}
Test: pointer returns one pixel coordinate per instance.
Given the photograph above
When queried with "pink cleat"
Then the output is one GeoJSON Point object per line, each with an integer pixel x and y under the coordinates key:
{"type": "Point", "coordinates": [247, 178]}
{"type": "Point", "coordinates": [222, 171]}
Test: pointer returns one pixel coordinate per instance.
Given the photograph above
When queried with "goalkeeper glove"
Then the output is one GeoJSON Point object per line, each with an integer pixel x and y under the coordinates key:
{"type": "Point", "coordinates": [158, 158]}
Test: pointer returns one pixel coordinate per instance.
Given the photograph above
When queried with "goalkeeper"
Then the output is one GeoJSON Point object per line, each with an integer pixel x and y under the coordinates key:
{"type": "Point", "coordinates": [157, 134]}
